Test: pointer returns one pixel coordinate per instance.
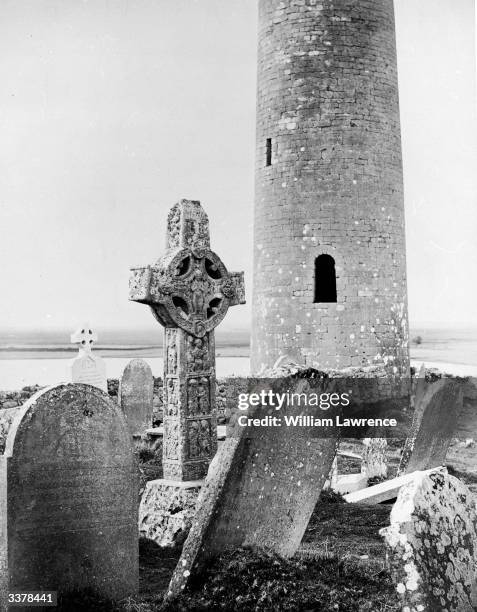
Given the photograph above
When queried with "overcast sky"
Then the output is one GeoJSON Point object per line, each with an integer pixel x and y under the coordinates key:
{"type": "Point", "coordinates": [110, 111]}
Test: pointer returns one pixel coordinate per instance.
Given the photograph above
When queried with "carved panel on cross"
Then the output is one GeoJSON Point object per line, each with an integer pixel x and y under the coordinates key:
{"type": "Point", "coordinates": [172, 351]}
{"type": "Point", "coordinates": [172, 397]}
{"type": "Point", "coordinates": [198, 396]}
{"type": "Point", "coordinates": [197, 353]}
{"type": "Point", "coordinates": [171, 438]}
{"type": "Point", "coordinates": [199, 439]}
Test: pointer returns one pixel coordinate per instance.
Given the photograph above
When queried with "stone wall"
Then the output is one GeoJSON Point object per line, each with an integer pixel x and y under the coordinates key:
{"type": "Point", "coordinates": [328, 107]}
{"type": "Point", "coordinates": [227, 392]}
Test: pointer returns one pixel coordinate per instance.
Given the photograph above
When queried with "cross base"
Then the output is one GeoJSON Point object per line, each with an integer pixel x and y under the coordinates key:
{"type": "Point", "coordinates": [167, 510]}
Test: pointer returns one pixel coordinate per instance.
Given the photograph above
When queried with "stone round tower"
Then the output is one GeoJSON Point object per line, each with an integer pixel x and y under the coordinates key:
{"type": "Point", "coordinates": [329, 245]}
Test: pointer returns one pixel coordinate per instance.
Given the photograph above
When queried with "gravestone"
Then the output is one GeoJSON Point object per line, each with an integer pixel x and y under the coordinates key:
{"type": "Point", "coordinates": [135, 396]}
{"type": "Point", "coordinates": [437, 409]}
{"type": "Point", "coordinates": [261, 490]}
{"type": "Point", "coordinates": [189, 291]}
{"type": "Point", "coordinates": [87, 368]}
{"type": "Point", "coordinates": [431, 544]}
{"type": "Point", "coordinates": [68, 482]}
{"type": "Point", "coordinates": [374, 458]}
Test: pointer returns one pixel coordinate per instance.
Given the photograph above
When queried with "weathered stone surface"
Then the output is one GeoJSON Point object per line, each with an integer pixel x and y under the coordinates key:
{"type": "Point", "coordinates": [329, 182]}
{"type": "Point", "coordinates": [136, 391]}
{"type": "Point", "coordinates": [261, 490]}
{"type": "Point", "coordinates": [167, 510]}
{"type": "Point", "coordinates": [374, 458]}
{"type": "Point", "coordinates": [6, 418]}
{"type": "Point", "coordinates": [87, 368]}
{"type": "Point", "coordinates": [431, 544]}
{"type": "Point", "coordinates": [189, 291]}
{"type": "Point", "coordinates": [434, 424]}
{"type": "Point", "coordinates": [68, 484]}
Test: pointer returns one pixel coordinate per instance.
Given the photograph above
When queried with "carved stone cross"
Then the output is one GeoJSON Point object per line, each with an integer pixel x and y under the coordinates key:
{"type": "Point", "coordinates": [84, 336]}
{"type": "Point", "coordinates": [189, 291]}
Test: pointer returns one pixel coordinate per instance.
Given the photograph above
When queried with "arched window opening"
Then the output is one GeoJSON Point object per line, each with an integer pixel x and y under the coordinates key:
{"type": "Point", "coordinates": [325, 279]}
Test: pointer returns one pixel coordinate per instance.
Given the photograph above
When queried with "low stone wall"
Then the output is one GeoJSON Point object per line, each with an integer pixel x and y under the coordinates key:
{"type": "Point", "coordinates": [227, 392]}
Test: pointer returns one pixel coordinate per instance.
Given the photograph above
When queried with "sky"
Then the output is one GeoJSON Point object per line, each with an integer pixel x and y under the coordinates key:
{"type": "Point", "coordinates": [111, 111]}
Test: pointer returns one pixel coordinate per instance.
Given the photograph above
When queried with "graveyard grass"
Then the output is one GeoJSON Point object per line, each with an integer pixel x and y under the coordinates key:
{"type": "Point", "coordinates": [340, 565]}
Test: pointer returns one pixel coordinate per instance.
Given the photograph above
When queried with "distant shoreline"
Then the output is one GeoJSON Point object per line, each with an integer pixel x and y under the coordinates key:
{"type": "Point", "coordinates": [69, 352]}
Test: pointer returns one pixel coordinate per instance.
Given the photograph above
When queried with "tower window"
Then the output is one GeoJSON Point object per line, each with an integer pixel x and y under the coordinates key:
{"type": "Point", "coordinates": [269, 152]}
{"type": "Point", "coordinates": [325, 279]}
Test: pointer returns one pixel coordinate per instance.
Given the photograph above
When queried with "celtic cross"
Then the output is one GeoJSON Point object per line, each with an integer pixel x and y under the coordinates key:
{"type": "Point", "coordinates": [189, 291]}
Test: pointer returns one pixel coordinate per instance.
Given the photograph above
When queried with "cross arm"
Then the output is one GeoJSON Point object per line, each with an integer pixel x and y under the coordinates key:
{"type": "Point", "coordinates": [149, 285]}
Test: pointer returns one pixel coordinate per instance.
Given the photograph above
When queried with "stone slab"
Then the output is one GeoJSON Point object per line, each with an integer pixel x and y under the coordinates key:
{"type": "Point", "coordinates": [384, 491]}
{"type": "Point", "coordinates": [432, 544]}
{"type": "Point", "coordinates": [135, 396]}
{"type": "Point", "coordinates": [434, 425]}
{"type": "Point", "coordinates": [261, 489]}
{"type": "Point", "coordinates": [349, 455]}
{"type": "Point", "coordinates": [68, 484]}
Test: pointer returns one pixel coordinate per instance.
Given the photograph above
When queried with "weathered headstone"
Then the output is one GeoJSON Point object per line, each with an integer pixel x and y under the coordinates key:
{"type": "Point", "coordinates": [432, 544]}
{"type": "Point", "coordinates": [189, 291]}
{"type": "Point", "coordinates": [261, 490]}
{"type": "Point", "coordinates": [135, 396]}
{"type": "Point", "coordinates": [436, 415]}
{"type": "Point", "coordinates": [87, 368]}
{"type": "Point", "coordinates": [68, 497]}
{"type": "Point", "coordinates": [374, 458]}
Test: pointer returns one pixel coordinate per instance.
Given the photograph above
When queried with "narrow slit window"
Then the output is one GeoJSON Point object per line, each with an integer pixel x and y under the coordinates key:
{"type": "Point", "coordinates": [269, 152]}
{"type": "Point", "coordinates": [325, 279]}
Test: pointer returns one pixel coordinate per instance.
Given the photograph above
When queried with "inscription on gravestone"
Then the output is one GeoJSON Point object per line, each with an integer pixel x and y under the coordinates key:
{"type": "Point", "coordinates": [189, 291]}
{"type": "Point", "coordinates": [68, 491]}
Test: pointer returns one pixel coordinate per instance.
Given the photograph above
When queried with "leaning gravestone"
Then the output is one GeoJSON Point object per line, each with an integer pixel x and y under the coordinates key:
{"type": "Point", "coordinates": [68, 482]}
{"type": "Point", "coordinates": [136, 393]}
{"type": "Point", "coordinates": [434, 425]}
{"type": "Point", "coordinates": [431, 544]}
{"type": "Point", "coordinates": [87, 368]}
{"type": "Point", "coordinates": [261, 490]}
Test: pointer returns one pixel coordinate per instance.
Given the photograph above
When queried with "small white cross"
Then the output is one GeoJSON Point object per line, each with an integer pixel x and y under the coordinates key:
{"type": "Point", "coordinates": [84, 336]}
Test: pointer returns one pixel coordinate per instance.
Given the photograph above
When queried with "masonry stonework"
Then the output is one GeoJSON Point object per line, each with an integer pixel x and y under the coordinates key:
{"type": "Point", "coordinates": [329, 181]}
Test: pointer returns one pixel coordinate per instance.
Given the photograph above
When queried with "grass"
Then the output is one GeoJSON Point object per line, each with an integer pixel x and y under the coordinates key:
{"type": "Point", "coordinates": [251, 580]}
{"type": "Point", "coordinates": [339, 567]}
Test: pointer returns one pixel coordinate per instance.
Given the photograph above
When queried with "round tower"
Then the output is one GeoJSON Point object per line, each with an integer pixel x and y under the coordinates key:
{"type": "Point", "coordinates": [329, 245]}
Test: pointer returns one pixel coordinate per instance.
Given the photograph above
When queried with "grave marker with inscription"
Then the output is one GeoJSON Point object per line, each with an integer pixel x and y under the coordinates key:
{"type": "Point", "coordinates": [87, 368]}
{"type": "Point", "coordinates": [189, 291]}
{"type": "Point", "coordinates": [68, 491]}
